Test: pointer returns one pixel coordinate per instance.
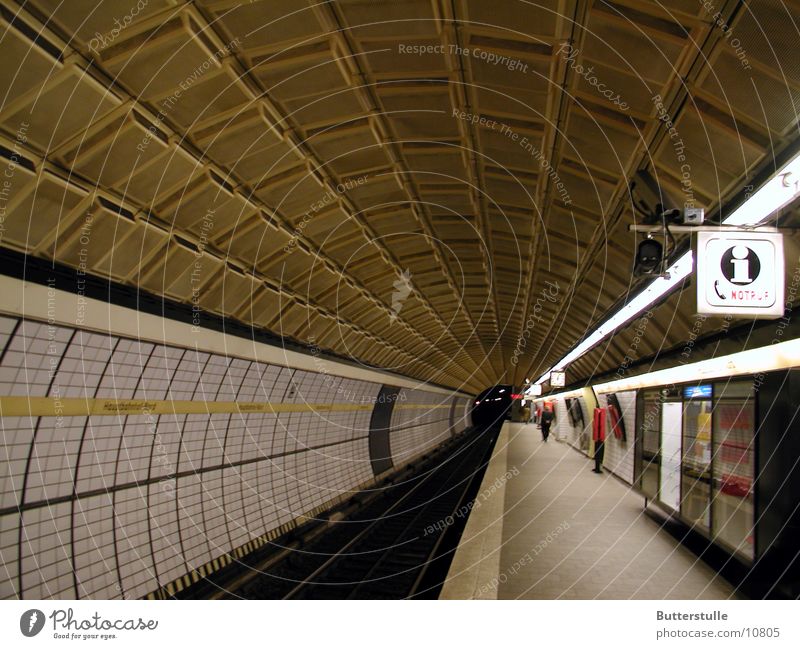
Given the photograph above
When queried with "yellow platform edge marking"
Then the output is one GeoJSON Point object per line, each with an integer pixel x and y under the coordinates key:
{"type": "Point", "coordinates": [79, 407]}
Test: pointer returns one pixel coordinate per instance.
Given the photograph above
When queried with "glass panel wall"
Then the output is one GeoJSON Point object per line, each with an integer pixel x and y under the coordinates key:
{"type": "Point", "coordinates": [733, 471]}
{"type": "Point", "coordinates": [696, 465]}
{"type": "Point", "coordinates": [698, 457]}
{"type": "Point", "coordinates": [671, 425]}
{"type": "Point", "coordinates": [651, 442]}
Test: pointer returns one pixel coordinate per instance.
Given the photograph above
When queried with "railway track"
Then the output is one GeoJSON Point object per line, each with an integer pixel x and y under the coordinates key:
{"type": "Point", "coordinates": [392, 543]}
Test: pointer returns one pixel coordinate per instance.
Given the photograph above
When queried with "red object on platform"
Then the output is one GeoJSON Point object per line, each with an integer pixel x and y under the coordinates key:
{"type": "Point", "coordinates": [616, 425]}
{"type": "Point", "coordinates": [599, 425]}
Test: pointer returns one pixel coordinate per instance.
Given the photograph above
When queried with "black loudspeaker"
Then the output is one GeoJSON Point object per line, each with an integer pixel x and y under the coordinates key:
{"type": "Point", "coordinates": [648, 257]}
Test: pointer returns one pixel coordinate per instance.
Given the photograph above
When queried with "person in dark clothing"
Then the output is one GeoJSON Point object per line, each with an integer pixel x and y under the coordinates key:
{"type": "Point", "coordinates": [546, 420]}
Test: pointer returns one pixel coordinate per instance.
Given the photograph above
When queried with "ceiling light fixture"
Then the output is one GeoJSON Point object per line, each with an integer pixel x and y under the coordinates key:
{"type": "Point", "coordinates": [781, 189]}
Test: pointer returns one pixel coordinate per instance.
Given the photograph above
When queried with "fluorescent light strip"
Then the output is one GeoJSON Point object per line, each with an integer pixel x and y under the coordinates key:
{"type": "Point", "coordinates": [564, 395]}
{"type": "Point", "coordinates": [776, 193]}
{"type": "Point", "coordinates": [753, 361]}
{"type": "Point", "coordinates": [657, 289]}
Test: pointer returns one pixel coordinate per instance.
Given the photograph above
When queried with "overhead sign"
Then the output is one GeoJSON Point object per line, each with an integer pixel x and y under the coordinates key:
{"type": "Point", "coordinates": [535, 390]}
{"type": "Point", "coordinates": [557, 379]}
{"type": "Point", "coordinates": [697, 392]}
{"type": "Point", "coordinates": [740, 273]}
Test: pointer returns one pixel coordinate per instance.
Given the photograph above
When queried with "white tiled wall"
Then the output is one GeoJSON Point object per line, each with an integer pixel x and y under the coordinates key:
{"type": "Point", "coordinates": [618, 455]}
{"type": "Point", "coordinates": [115, 506]}
{"type": "Point", "coordinates": [413, 430]}
{"type": "Point", "coordinates": [562, 427]}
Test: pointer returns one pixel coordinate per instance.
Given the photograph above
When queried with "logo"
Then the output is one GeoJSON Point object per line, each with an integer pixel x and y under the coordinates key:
{"type": "Point", "coordinates": [740, 265]}
{"type": "Point", "coordinates": [402, 289]}
{"type": "Point", "coordinates": [31, 622]}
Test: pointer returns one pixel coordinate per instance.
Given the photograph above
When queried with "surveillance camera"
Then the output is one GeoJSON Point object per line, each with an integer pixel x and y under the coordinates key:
{"type": "Point", "coordinates": [653, 199]}
{"type": "Point", "coordinates": [693, 216]}
{"type": "Point", "coordinates": [649, 254]}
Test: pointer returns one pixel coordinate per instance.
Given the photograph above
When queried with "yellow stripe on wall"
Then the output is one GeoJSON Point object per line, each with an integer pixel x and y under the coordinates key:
{"type": "Point", "coordinates": [77, 407]}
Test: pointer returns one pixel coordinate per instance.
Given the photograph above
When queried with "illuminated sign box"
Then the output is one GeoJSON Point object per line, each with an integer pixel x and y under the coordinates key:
{"type": "Point", "coordinates": [740, 273]}
{"type": "Point", "coordinates": [697, 392]}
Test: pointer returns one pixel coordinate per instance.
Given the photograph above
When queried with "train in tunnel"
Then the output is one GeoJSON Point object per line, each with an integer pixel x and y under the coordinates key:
{"type": "Point", "coordinates": [492, 406]}
{"type": "Point", "coordinates": [710, 445]}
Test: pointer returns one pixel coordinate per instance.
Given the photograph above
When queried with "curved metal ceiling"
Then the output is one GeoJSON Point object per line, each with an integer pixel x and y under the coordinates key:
{"type": "Point", "coordinates": [438, 187]}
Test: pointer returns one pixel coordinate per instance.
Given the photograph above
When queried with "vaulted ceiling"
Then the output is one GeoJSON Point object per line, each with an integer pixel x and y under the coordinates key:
{"type": "Point", "coordinates": [437, 187]}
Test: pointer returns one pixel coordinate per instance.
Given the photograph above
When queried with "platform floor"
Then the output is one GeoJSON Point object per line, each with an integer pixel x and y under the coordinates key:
{"type": "Point", "coordinates": [546, 527]}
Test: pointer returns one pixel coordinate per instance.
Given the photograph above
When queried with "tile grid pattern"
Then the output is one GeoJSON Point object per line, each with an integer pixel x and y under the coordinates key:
{"type": "Point", "coordinates": [117, 506]}
{"type": "Point", "coordinates": [618, 454]}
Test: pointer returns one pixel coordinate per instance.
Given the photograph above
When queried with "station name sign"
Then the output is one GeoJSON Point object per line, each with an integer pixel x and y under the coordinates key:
{"type": "Point", "coordinates": [740, 273]}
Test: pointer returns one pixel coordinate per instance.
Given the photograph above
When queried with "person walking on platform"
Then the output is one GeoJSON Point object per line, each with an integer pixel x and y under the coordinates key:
{"type": "Point", "coordinates": [599, 437]}
{"type": "Point", "coordinates": [546, 420]}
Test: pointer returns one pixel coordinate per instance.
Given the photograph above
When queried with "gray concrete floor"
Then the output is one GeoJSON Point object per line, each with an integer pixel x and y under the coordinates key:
{"type": "Point", "coordinates": [568, 533]}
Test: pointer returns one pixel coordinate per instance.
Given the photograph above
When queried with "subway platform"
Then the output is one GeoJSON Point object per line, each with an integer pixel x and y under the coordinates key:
{"type": "Point", "coordinates": [544, 526]}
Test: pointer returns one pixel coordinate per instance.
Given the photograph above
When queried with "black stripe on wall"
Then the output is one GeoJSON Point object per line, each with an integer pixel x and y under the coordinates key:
{"type": "Point", "coordinates": [380, 451]}
{"type": "Point", "coordinates": [452, 418]}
